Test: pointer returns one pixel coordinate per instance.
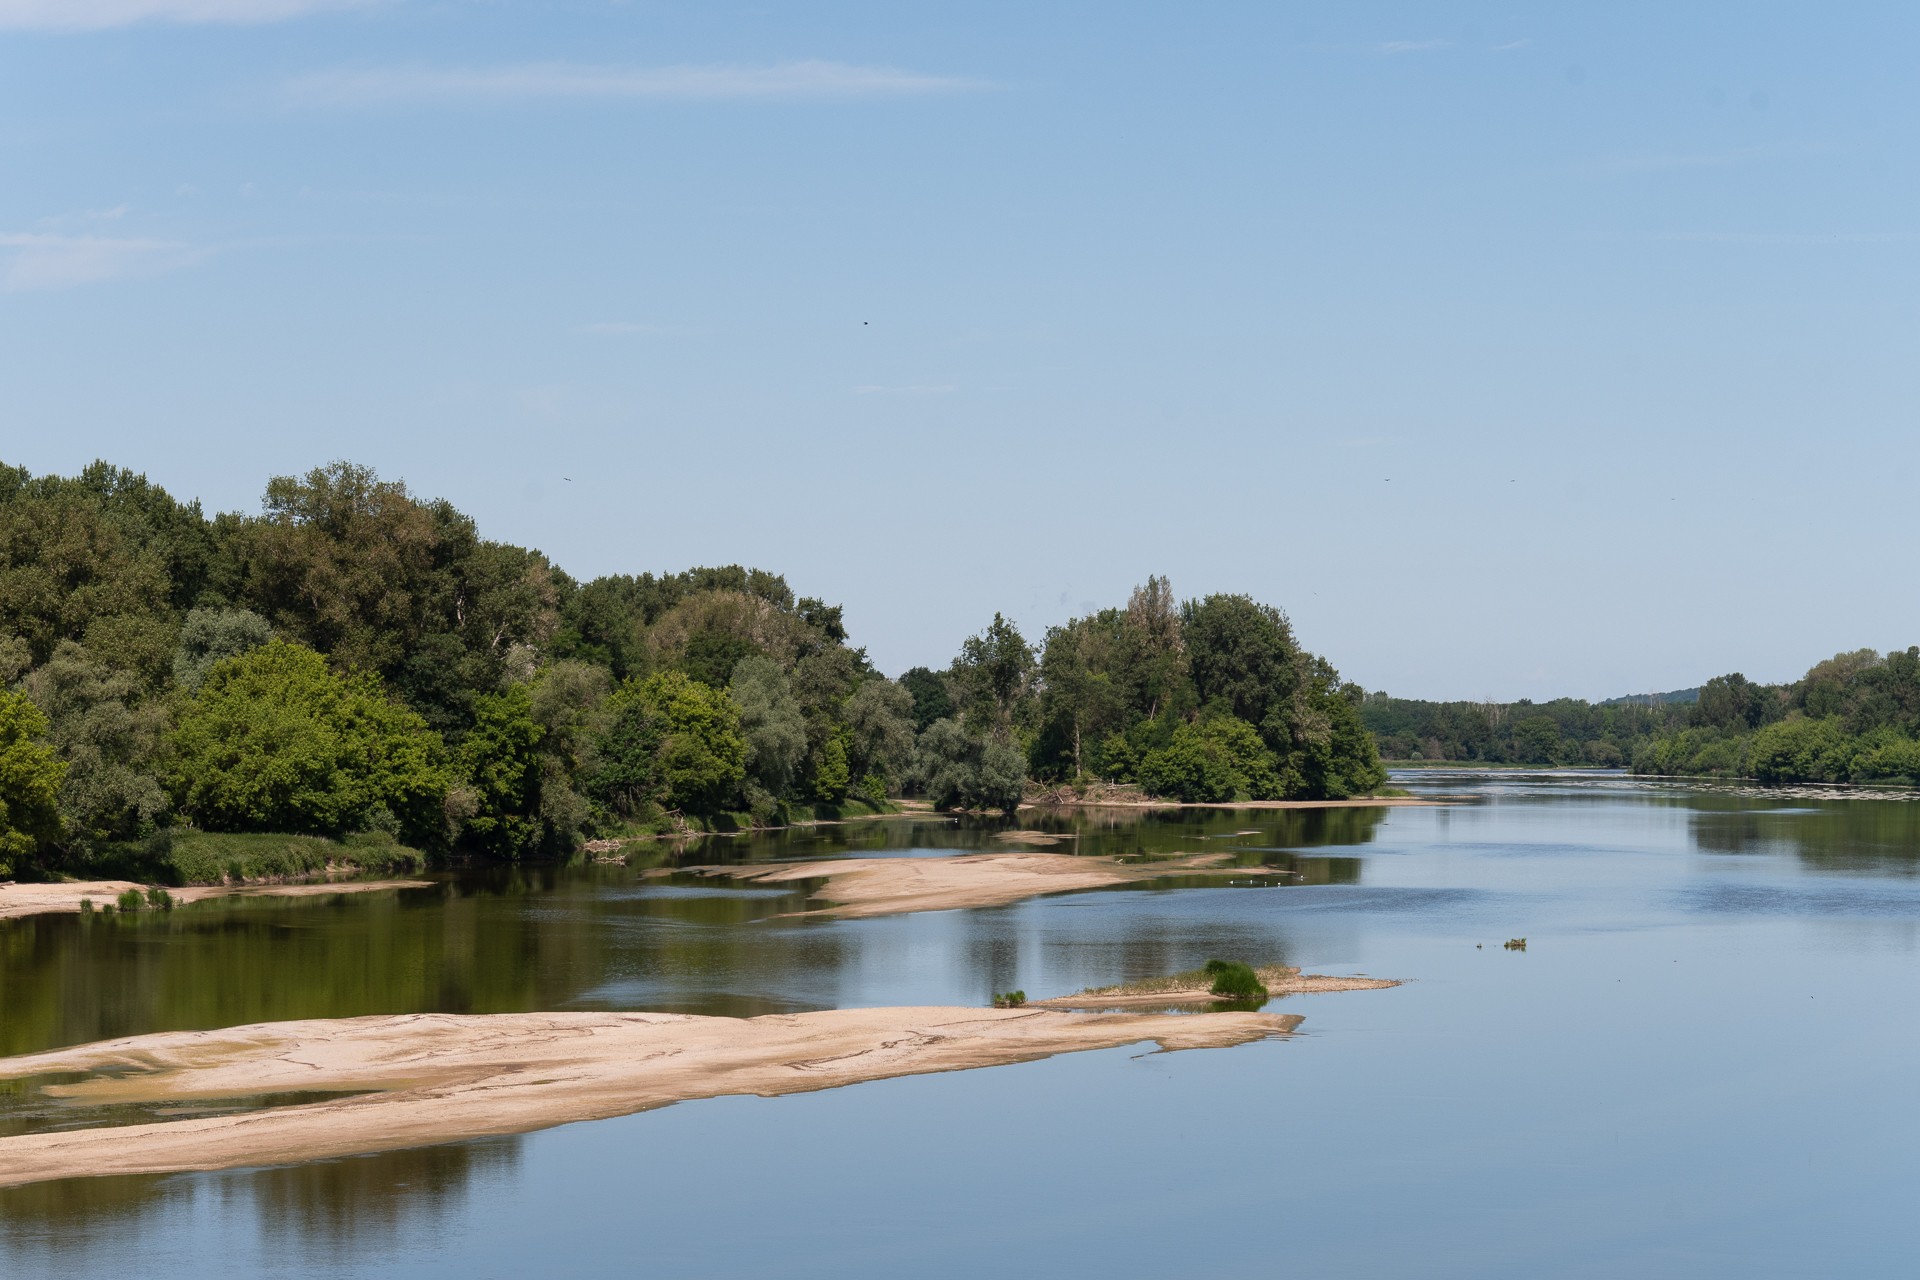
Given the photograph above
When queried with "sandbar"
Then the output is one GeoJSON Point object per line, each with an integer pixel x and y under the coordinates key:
{"type": "Point", "coordinates": [422, 1079]}
{"type": "Point", "coordinates": [1192, 989]}
{"type": "Point", "coordinates": [1362, 802]}
{"type": "Point", "coordinates": [42, 899]}
{"type": "Point", "coordinates": [860, 887]}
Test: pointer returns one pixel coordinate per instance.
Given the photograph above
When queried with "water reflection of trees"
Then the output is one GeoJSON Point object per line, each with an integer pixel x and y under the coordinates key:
{"type": "Point", "coordinates": [528, 938]}
{"type": "Point", "coordinates": [1109, 831]}
{"type": "Point", "coordinates": [539, 939]}
{"type": "Point", "coordinates": [1878, 836]}
{"type": "Point", "coordinates": [333, 1209]}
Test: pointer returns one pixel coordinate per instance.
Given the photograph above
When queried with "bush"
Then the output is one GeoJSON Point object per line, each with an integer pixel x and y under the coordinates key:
{"type": "Point", "coordinates": [131, 900]}
{"type": "Point", "coordinates": [962, 771]}
{"type": "Point", "coordinates": [159, 899]}
{"type": "Point", "coordinates": [209, 857]}
{"type": "Point", "coordinates": [1801, 750]}
{"type": "Point", "coordinates": [1009, 999]}
{"type": "Point", "coordinates": [275, 741]}
{"type": "Point", "coordinates": [1218, 759]}
{"type": "Point", "coordinates": [1235, 980]}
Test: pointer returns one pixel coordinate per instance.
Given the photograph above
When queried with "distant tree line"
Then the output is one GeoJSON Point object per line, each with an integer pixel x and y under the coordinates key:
{"type": "Point", "coordinates": [1852, 718]}
{"type": "Point", "coordinates": [355, 660]}
{"type": "Point", "coordinates": [1565, 731]}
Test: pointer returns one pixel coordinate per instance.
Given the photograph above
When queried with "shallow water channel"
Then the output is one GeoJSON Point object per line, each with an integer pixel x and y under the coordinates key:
{"type": "Point", "coordinates": [1703, 1064]}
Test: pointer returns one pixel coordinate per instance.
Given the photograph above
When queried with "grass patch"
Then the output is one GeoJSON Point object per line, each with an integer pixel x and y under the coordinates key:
{"type": "Point", "coordinates": [211, 857]}
{"type": "Point", "coordinates": [1196, 980]}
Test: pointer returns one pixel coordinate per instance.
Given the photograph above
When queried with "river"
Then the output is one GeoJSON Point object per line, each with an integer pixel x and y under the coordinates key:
{"type": "Point", "coordinates": [1702, 1064]}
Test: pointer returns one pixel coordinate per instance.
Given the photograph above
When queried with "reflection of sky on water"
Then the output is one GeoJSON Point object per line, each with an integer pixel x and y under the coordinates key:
{"type": "Point", "coordinates": [1701, 1066]}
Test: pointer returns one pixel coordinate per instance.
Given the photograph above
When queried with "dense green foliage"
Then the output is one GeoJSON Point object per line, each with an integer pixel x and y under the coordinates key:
{"type": "Point", "coordinates": [1236, 980]}
{"type": "Point", "coordinates": [30, 776]}
{"type": "Point", "coordinates": [1211, 700]}
{"type": "Point", "coordinates": [274, 740]}
{"type": "Point", "coordinates": [1566, 731]}
{"type": "Point", "coordinates": [360, 667]}
{"type": "Point", "coordinates": [1853, 718]}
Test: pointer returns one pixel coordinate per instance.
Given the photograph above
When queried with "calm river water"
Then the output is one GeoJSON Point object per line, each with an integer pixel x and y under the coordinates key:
{"type": "Point", "coordinates": [1706, 1062]}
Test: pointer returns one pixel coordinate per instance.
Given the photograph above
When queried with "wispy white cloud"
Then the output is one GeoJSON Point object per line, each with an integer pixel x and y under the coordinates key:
{"type": "Point", "coordinates": [562, 80]}
{"type": "Point", "coordinates": [33, 261]}
{"type": "Point", "coordinates": [97, 15]}
{"type": "Point", "coordinates": [1521, 43]}
{"type": "Point", "coordinates": [1414, 46]}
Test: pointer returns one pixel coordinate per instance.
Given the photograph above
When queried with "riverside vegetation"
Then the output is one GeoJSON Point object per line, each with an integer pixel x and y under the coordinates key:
{"type": "Point", "coordinates": [1853, 718]}
{"type": "Point", "coordinates": [354, 676]}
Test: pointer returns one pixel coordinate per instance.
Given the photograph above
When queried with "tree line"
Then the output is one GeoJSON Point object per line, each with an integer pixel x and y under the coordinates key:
{"type": "Point", "coordinates": [1852, 718]}
{"type": "Point", "coordinates": [356, 661]}
{"type": "Point", "coordinates": [1565, 731]}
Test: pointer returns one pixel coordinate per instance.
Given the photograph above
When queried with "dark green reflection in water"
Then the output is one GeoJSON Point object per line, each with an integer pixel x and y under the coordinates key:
{"type": "Point", "coordinates": [511, 940]}
{"type": "Point", "coordinates": [1878, 836]}
{"type": "Point", "coordinates": [334, 1206]}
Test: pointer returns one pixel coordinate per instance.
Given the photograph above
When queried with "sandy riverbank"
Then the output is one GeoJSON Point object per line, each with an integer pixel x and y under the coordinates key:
{"type": "Point", "coordinates": [431, 1078]}
{"type": "Point", "coordinates": [1280, 980]}
{"type": "Point", "coordinates": [1364, 802]}
{"type": "Point", "coordinates": [859, 887]}
{"type": "Point", "coordinates": [42, 899]}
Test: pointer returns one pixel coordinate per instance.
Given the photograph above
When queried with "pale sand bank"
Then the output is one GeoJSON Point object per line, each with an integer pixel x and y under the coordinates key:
{"type": "Point", "coordinates": [432, 1078]}
{"type": "Point", "coordinates": [1280, 980]}
{"type": "Point", "coordinates": [41, 899]}
{"type": "Point", "coordinates": [858, 887]}
{"type": "Point", "coordinates": [1363, 802]}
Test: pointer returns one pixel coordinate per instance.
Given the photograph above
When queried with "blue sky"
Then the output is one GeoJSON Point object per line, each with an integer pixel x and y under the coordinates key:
{"type": "Point", "coordinates": [1513, 351]}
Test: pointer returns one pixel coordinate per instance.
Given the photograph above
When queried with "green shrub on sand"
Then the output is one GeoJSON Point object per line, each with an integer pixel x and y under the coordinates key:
{"type": "Point", "coordinates": [1235, 980]}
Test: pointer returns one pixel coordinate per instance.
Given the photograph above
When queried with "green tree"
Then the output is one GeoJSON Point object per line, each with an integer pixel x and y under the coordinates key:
{"type": "Point", "coordinates": [771, 723]}
{"type": "Point", "coordinates": [1799, 749]}
{"type": "Point", "coordinates": [66, 567]}
{"type": "Point", "coordinates": [1218, 758]}
{"type": "Point", "coordinates": [671, 741]}
{"type": "Point", "coordinates": [209, 635]}
{"type": "Point", "coordinates": [499, 763]}
{"type": "Point", "coordinates": [932, 700]}
{"type": "Point", "coordinates": [832, 773]}
{"type": "Point", "coordinates": [961, 770]}
{"type": "Point", "coordinates": [1536, 740]}
{"type": "Point", "coordinates": [1153, 667]}
{"type": "Point", "coordinates": [109, 736]}
{"type": "Point", "coordinates": [30, 778]}
{"type": "Point", "coordinates": [1080, 693]}
{"type": "Point", "coordinates": [879, 719]}
{"type": "Point", "coordinates": [993, 674]}
{"type": "Point", "coordinates": [1329, 753]}
{"type": "Point", "coordinates": [274, 741]}
{"type": "Point", "coordinates": [1241, 654]}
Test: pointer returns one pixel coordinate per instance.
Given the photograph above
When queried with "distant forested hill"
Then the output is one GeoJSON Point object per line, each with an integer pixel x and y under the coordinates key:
{"type": "Point", "coordinates": [354, 662]}
{"type": "Point", "coordinates": [1655, 699]}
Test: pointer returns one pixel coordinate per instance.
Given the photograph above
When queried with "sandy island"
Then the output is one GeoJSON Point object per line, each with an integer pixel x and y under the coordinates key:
{"type": "Point", "coordinates": [859, 887]}
{"type": "Point", "coordinates": [431, 1078]}
{"type": "Point", "coordinates": [41, 899]}
{"type": "Point", "coordinates": [1192, 989]}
